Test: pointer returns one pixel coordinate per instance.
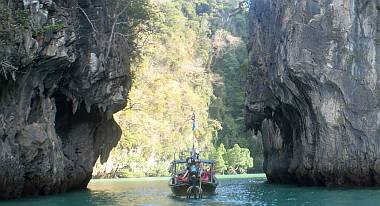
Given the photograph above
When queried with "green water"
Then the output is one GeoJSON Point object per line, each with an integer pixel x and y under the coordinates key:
{"type": "Point", "coordinates": [239, 190]}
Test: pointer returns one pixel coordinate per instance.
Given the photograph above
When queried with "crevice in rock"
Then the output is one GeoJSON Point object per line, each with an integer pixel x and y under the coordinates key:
{"type": "Point", "coordinates": [35, 112]}
{"type": "Point", "coordinates": [63, 115]}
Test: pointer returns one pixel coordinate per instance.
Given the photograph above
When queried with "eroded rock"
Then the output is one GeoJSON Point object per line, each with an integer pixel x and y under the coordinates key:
{"type": "Point", "coordinates": [56, 117]}
{"type": "Point", "coordinates": [313, 90]}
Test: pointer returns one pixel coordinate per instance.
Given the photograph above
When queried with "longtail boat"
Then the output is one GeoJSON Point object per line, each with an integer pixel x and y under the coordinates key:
{"type": "Point", "coordinates": [193, 177]}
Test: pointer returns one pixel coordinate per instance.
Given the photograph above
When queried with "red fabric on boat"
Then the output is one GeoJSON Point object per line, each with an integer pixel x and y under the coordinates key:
{"type": "Point", "coordinates": [182, 179]}
{"type": "Point", "coordinates": [205, 177]}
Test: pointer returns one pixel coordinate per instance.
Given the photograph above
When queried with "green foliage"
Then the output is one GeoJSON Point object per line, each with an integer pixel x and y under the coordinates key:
{"type": "Point", "coordinates": [377, 41]}
{"type": "Point", "coordinates": [13, 25]}
{"type": "Point", "coordinates": [13, 21]}
{"type": "Point", "coordinates": [169, 85]}
{"type": "Point", "coordinates": [132, 20]}
{"type": "Point", "coordinates": [230, 71]}
{"type": "Point", "coordinates": [54, 27]}
{"type": "Point", "coordinates": [238, 159]}
{"type": "Point", "coordinates": [49, 28]}
{"type": "Point", "coordinates": [350, 59]}
{"type": "Point", "coordinates": [217, 155]}
{"type": "Point", "coordinates": [233, 161]}
{"type": "Point", "coordinates": [22, 18]}
{"type": "Point", "coordinates": [171, 82]}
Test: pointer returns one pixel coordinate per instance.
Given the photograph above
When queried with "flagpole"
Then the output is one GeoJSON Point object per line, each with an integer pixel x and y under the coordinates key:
{"type": "Point", "coordinates": [193, 141]}
{"type": "Point", "coordinates": [193, 127]}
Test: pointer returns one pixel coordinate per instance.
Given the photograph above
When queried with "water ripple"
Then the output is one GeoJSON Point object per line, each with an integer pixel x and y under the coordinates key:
{"type": "Point", "coordinates": [230, 192]}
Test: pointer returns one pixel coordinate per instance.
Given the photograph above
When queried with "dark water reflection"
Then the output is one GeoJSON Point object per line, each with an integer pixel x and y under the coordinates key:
{"type": "Point", "coordinates": [230, 192]}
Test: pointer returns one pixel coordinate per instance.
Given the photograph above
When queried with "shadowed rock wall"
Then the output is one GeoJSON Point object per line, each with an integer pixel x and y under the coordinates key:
{"type": "Point", "coordinates": [313, 90]}
{"type": "Point", "coordinates": [56, 117]}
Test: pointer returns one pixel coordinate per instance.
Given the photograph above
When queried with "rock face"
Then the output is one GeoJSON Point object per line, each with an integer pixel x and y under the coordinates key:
{"type": "Point", "coordinates": [314, 90]}
{"type": "Point", "coordinates": [59, 87]}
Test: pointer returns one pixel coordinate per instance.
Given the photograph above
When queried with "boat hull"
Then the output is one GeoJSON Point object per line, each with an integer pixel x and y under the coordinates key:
{"type": "Point", "coordinates": [180, 189]}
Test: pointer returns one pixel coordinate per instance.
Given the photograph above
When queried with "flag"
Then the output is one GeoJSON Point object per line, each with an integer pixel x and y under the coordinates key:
{"type": "Point", "coordinates": [196, 132]}
{"type": "Point", "coordinates": [193, 118]}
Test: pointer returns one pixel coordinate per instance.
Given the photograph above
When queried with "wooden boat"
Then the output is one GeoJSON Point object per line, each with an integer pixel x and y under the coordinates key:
{"type": "Point", "coordinates": [184, 182]}
{"type": "Point", "coordinates": [193, 176]}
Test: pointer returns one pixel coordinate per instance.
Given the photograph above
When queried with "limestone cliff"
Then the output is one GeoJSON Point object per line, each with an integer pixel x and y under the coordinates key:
{"type": "Point", "coordinates": [60, 83]}
{"type": "Point", "coordinates": [313, 90]}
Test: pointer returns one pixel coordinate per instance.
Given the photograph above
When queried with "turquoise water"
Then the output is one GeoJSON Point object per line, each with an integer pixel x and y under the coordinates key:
{"type": "Point", "coordinates": [246, 190]}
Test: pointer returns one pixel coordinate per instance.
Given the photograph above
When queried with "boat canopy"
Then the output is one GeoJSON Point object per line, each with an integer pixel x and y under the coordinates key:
{"type": "Point", "coordinates": [179, 162]}
{"type": "Point", "coordinates": [202, 161]}
{"type": "Point", "coordinates": [208, 161]}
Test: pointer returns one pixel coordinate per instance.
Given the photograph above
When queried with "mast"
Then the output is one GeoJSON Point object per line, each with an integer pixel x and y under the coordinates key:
{"type": "Point", "coordinates": [193, 128]}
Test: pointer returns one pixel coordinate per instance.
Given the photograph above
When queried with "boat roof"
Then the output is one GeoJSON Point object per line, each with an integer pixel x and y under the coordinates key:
{"type": "Point", "coordinates": [184, 161]}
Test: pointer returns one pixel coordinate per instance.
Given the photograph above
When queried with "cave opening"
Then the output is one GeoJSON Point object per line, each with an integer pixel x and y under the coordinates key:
{"type": "Point", "coordinates": [284, 116]}
{"type": "Point", "coordinates": [282, 139]}
{"type": "Point", "coordinates": [76, 131]}
{"type": "Point", "coordinates": [67, 119]}
{"type": "Point", "coordinates": [64, 115]}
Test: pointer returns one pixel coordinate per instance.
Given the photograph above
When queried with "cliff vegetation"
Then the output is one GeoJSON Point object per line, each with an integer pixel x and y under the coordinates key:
{"type": "Point", "coordinates": [181, 71]}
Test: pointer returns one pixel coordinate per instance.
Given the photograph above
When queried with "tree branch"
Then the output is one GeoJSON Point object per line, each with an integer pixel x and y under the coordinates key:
{"type": "Point", "coordinates": [110, 39]}
{"type": "Point", "coordinates": [88, 19]}
{"type": "Point", "coordinates": [7, 68]}
{"type": "Point", "coordinates": [242, 6]}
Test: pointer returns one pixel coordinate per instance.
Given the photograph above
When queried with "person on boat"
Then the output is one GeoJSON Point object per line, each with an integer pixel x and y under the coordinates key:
{"type": "Point", "coordinates": [193, 173]}
{"type": "Point", "coordinates": [205, 176]}
{"type": "Point", "coordinates": [184, 176]}
{"type": "Point", "coordinates": [194, 170]}
{"type": "Point", "coordinates": [200, 165]}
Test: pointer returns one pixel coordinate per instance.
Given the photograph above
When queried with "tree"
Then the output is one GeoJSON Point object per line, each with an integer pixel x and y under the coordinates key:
{"type": "Point", "coordinates": [243, 6]}
{"type": "Point", "coordinates": [169, 85]}
{"type": "Point", "coordinates": [238, 159]}
{"type": "Point", "coordinates": [221, 41]}
{"type": "Point", "coordinates": [228, 61]}
{"type": "Point", "coordinates": [217, 155]}
{"type": "Point", "coordinates": [170, 82]}
{"type": "Point", "coordinates": [129, 19]}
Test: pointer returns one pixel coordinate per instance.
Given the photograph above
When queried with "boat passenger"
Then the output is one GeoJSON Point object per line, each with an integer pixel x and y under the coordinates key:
{"type": "Point", "coordinates": [183, 177]}
{"type": "Point", "coordinates": [205, 176]}
{"type": "Point", "coordinates": [186, 173]}
{"type": "Point", "coordinates": [194, 170]}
